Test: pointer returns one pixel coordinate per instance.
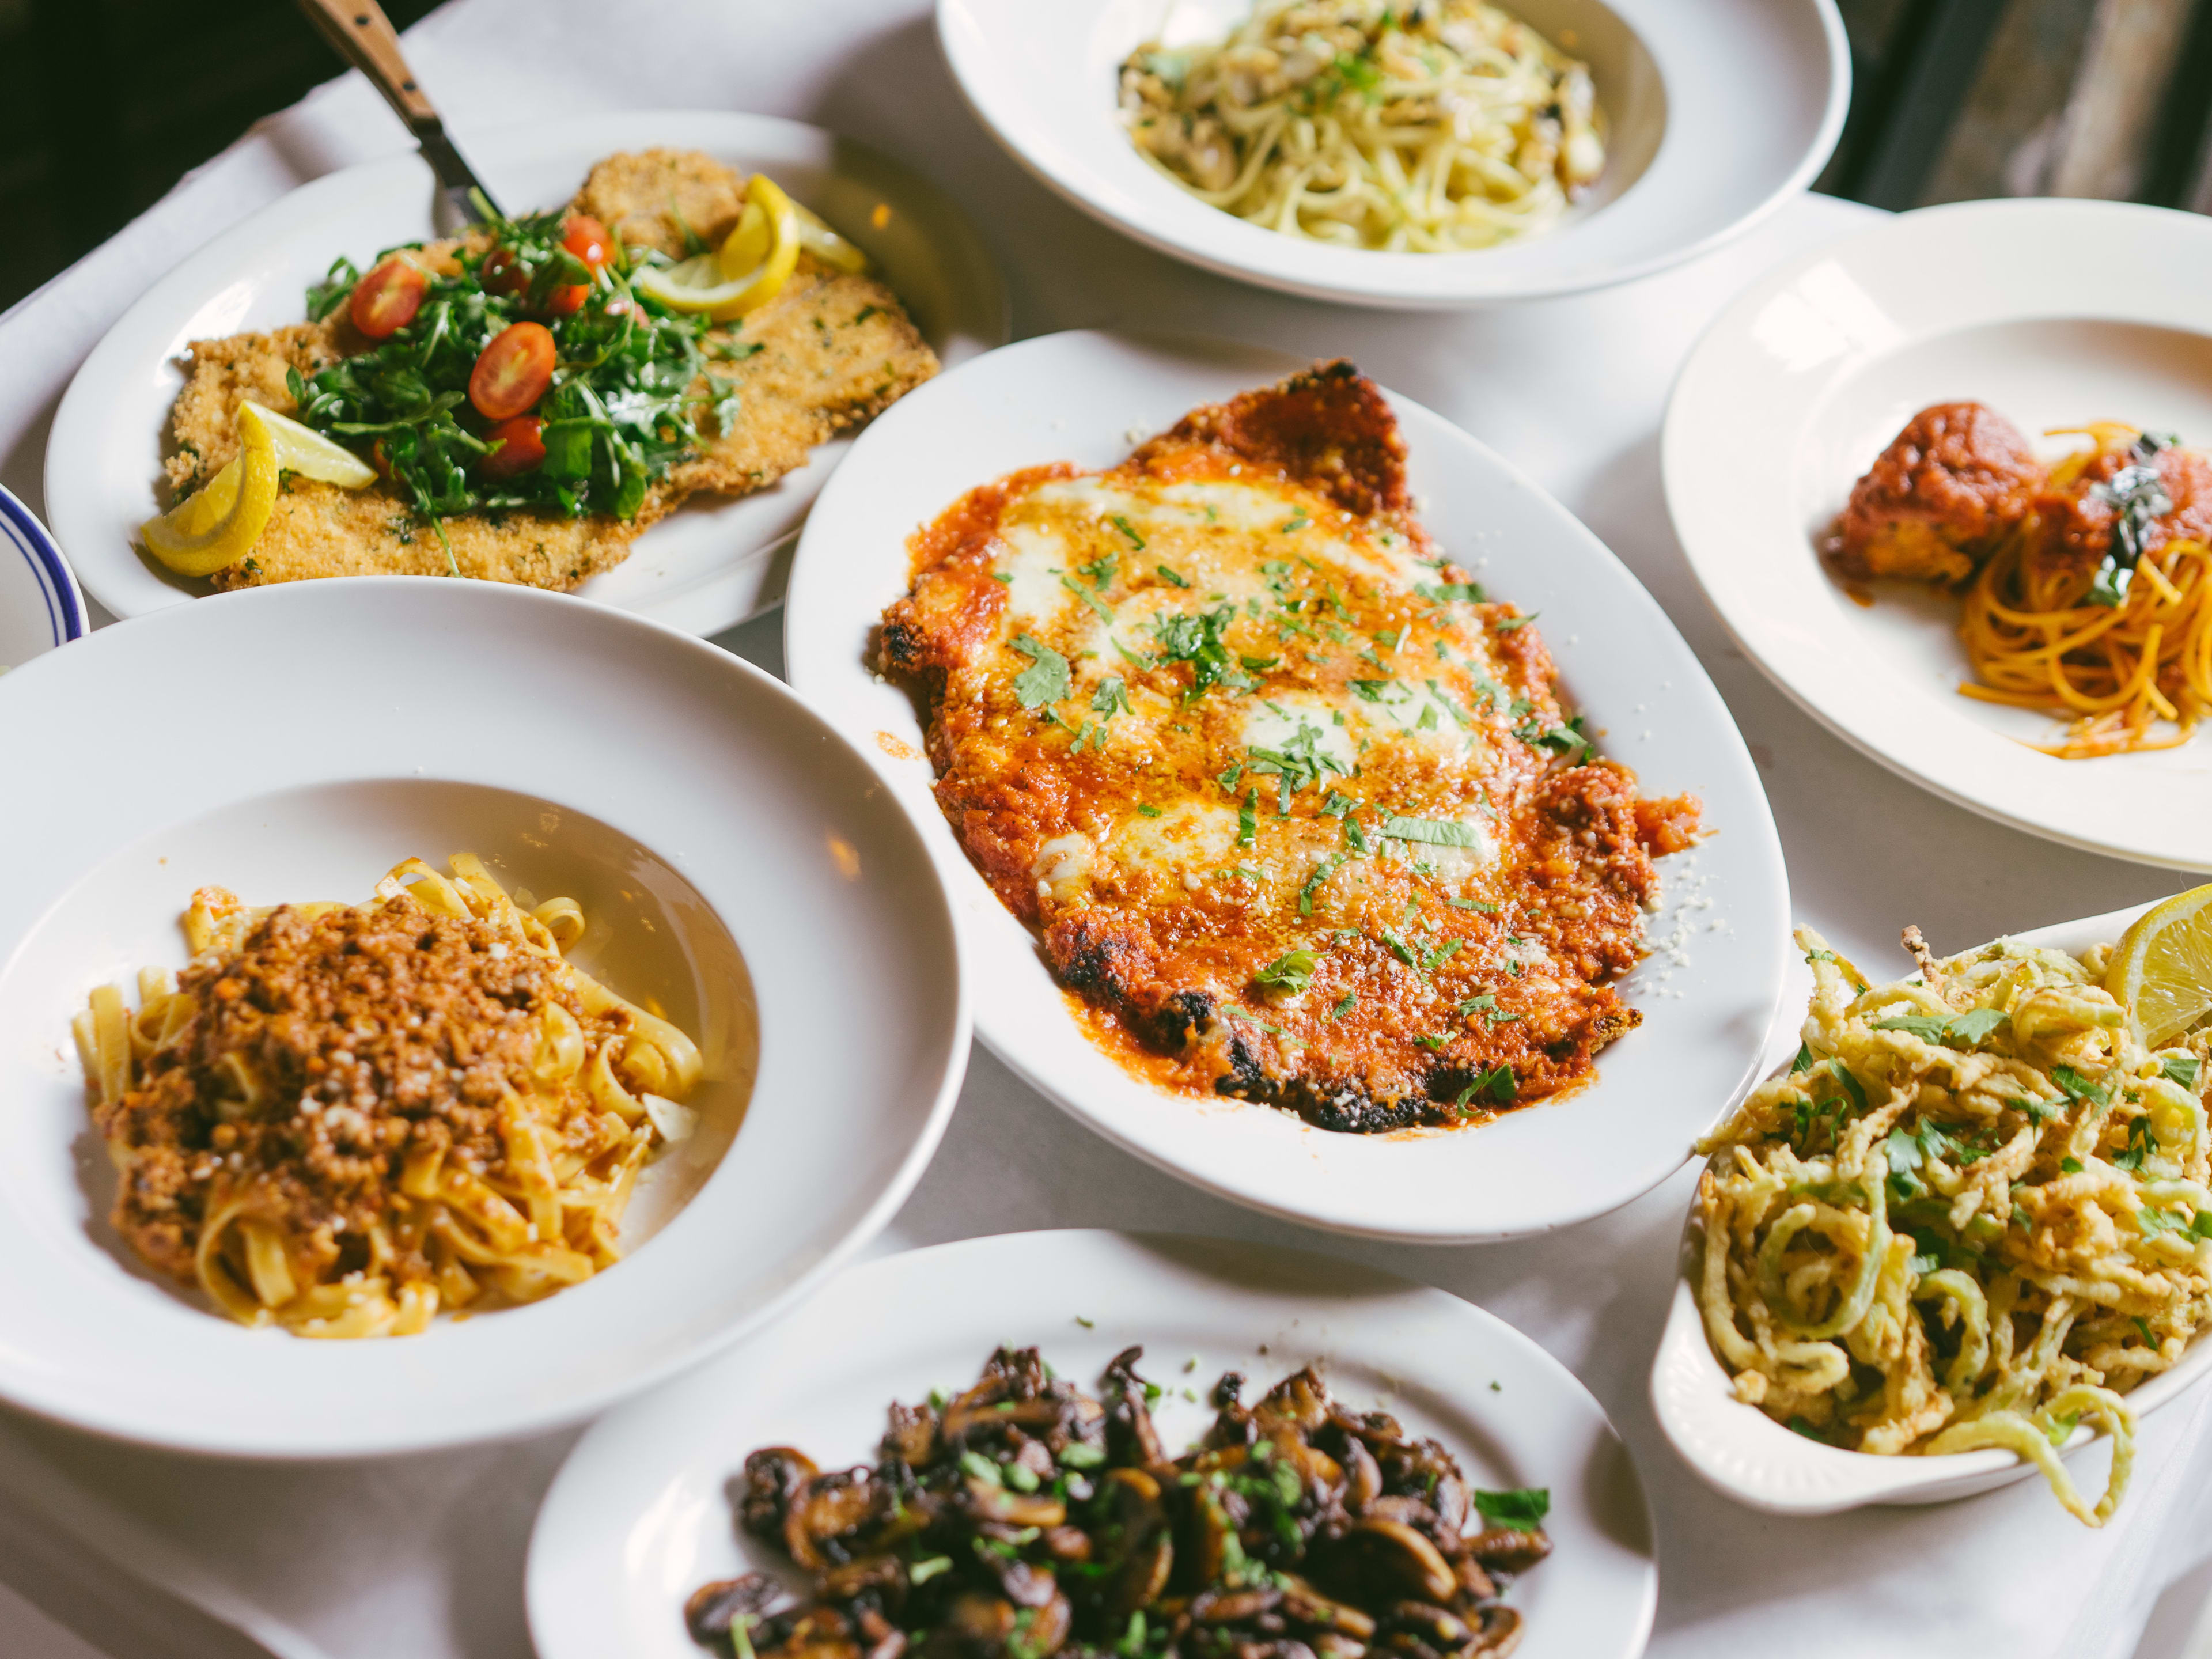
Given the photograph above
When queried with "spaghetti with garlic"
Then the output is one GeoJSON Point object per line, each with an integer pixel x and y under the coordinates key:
{"type": "Point", "coordinates": [1974, 1214]}
{"type": "Point", "coordinates": [339, 1119]}
{"type": "Point", "coordinates": [1433, 127]}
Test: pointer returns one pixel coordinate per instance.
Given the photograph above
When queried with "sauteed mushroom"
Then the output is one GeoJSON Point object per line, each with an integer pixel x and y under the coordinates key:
{"type": "Point", "coordinates": [1023, 1519]}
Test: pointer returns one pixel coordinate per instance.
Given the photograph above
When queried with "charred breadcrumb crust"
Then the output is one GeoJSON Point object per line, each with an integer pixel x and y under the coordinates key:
{"type": "Point", "coordinates": [1176, 969]}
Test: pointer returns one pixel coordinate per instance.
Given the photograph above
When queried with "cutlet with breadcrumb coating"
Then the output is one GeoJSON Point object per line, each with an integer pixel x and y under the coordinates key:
{"type": "Point", "coordinates": [829, 351]}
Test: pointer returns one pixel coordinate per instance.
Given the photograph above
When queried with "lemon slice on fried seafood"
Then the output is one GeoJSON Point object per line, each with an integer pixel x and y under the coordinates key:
{"type": "Point", "coordinates": [2162, 969]}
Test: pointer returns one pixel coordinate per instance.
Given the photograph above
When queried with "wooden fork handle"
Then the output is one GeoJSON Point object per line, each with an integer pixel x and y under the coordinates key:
{"type": "Point", "coordinates": [364, 37]}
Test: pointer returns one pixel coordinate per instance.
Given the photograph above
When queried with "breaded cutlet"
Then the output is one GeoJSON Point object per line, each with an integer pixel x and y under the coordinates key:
{"type": "Point", "coordinates": [832, 350]}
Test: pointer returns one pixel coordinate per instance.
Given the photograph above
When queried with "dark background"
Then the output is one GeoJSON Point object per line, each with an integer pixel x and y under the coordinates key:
{"type": "Point", "coordinates": [105, 104]}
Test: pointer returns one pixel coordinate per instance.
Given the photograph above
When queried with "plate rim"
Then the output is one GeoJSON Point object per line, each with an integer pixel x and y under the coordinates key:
{"type": "Point", "coordinates": [1192, 1252]}
{"type": "Point", "coordinates": [950, 1048]}
{"type": "Point", "coordinates": [60, 580]}
{"type": "Point", "coordinates": [1781, 1473]}
{"type": "Point", "coordinates": [967, 77]}
{"type": "Point", "coordinates": [1749, 627]}
{"type": "Point", "coordinates": [77, 425]}
{"type": "Point", "coordinates": [1103, 1118]}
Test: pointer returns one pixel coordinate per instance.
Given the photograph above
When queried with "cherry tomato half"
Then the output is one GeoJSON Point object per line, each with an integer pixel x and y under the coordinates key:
{"type": "Point", "coordinates": [521, 449]}
{"type": "Point", "coordinates": [386, 300]}
{"type": "Point", "coordinates": [588, 238]}
{"type": "Point", "coordinates": [513, 372]}
{"type": "Point", "coordinates": [501, 275]}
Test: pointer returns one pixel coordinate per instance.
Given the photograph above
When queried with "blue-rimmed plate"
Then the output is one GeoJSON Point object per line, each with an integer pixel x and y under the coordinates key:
{"type": "Point", "coordinates": [39, 605]}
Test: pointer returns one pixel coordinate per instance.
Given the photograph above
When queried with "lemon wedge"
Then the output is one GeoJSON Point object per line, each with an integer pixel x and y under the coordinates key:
{"type": "Point", "coordinates": [201, 536]}
{"type": "Point", "coordinates": [2162, 969]}
{"type": "Point", "coordinates": [826, 245]}
{"type": "Point", "coordinates": [753, 263]}
{"type": "Point", "coordinates": [303, 450]}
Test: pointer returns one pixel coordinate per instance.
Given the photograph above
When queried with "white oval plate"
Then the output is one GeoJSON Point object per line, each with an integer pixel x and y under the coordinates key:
{"type": "Point", "coordinates": [1080, 397]}
{"type": "Point", "coordinates": [39, 605]}
{"type": "Point", "coordinates": [709, 565]}
{"type": "Point", "coordinates": [1742, 1453]}
{"type": "Point", "coordinates": [2052, 313]}
{"type": "Point", "coordinates": [639, 1515]}
{"type": "Point", "coordinates": [1721, 110]}
{"type": "Point", "coordinates": [293, 743]}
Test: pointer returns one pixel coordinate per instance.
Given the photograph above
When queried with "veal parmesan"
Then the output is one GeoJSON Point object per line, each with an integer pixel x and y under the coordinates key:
{"type": "Point", "coordinates": [1295, 807]}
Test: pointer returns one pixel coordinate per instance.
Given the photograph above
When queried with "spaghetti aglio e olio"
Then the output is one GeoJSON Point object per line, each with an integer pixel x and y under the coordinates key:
{"type": "Point", "coordinates": [1417, 126]}
{"type": "Point", "coordinates": [339, 1119]}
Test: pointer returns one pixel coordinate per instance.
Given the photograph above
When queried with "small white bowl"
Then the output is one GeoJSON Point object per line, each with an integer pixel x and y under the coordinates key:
{"type": "Point", "coordinates": [1742, 1453]}
{"type": "Point", "coordinates": [639, 1515]}
{"type": "Point", "coordinates": [39, 605]}
{"type": "Point", "coordinates": [1720, 110]}
{"type": "Point", "coordinates": [737, 861]}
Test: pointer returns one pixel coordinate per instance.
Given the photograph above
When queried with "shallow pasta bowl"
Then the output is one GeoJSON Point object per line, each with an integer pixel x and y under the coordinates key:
{"type": "Point", "coordinates": [738, 864]}
{"type": "Point", "coordinates": [1718, 110]}
{"type": "Point", "coordinates": [639, 1515]}
{"type": "Point", "coordinates": [1090, 398]}
{"type": "Point", "coordinates": [2052, 312]}
{"type": "Point", "coordinates": [1742, 1453]}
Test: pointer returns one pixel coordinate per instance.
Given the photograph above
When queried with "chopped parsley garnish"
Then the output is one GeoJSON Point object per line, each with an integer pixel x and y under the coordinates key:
{"type": "Point", "coordinates": [1167, 575]}
{"type": "Point", "coordinates": [1136, 541]}
{"type": "Point", "coordinates": [2180, 1068]}
{"type": "Point", "coordinates": [1495, 1084]}
{"type": "Point", "coordinates": [2078, 1087]}
{"type": "Point", "coordinates": [1351, 1001]}
{"type": "Point", "coordinates": [1292, 971]}
{"type": "Point", "coordinates": [1111, 698]}
{"type": "Point", "coordinates": [1045, 680]}
{"type": "Point", "coordinates": [1965, 1032]}
{"type": "Point", "coordinates": [1507, 624]}
{"type": "Point", "coordinates": [1148, 811]}
{"type": "Point", "coordinates": [1197, 640]}
{"type": "Point", "coordinates": [1328, 867]}
{"type": "Point", "coordinates": [2137, 497]}
{"type": "Point", "coordinates": [1472, 904]}
{"type": "Point", "coordinates": [1433, 832]}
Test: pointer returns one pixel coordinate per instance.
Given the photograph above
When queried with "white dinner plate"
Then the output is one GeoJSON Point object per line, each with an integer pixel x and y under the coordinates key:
{"type": "Point", "coordinates": [1086, 398]}
{"type": "Point", "coordinates": [707, 566]}
{"type": "Point", "coordinates": [737, 862]}
{"type": "Point", "coordinates": [1742, 1453]}
{"type": "Point", "coordinates": [39, 605]}
{"type": "Point", "coordinates": [2052, 312]}
{"type": "Point", "coordinates": [1719, 111]}
{"type": "Point", "coordinates": [639, 1515]}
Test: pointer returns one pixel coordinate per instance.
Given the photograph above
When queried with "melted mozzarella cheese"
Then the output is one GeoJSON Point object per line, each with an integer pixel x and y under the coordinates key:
{"type": "Point", "coordinates": [1274, 722]}
{"type": "Point", "coordinates": [1190, 837]}
{"type": "Point", "coordinates": [1032, 556]}
{"type": "Point", "coordinates": [1062, 865]}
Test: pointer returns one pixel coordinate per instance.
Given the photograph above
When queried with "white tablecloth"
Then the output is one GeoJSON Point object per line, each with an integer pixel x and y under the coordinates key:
{"type": "Point", "coordinates": [150, 1556]}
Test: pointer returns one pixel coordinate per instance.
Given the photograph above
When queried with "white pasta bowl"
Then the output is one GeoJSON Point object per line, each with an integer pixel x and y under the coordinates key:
{"type": "Point", "coordinates": [1717, 111]}
{"type": "Point", "coordinates": [2052, 312]}
{"type": "Point", "coordinates": [738, 865]}
{"type": "Point", "coordinates": [1742, 1453]}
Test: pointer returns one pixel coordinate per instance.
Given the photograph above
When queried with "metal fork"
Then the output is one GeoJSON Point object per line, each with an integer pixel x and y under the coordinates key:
{"type": "Point", "coordinates": [364, 37]}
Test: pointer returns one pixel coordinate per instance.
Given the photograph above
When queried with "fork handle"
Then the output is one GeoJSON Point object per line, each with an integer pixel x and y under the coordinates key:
{"type": "Point", "coordinates": [364, 37]}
